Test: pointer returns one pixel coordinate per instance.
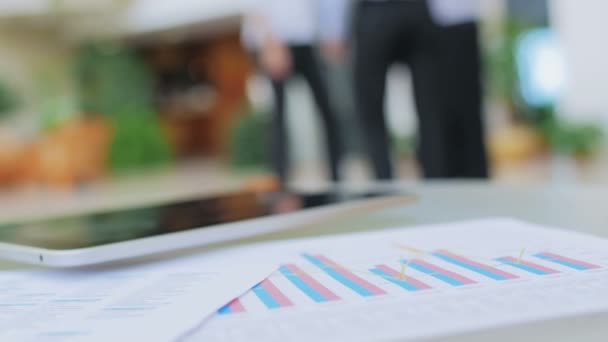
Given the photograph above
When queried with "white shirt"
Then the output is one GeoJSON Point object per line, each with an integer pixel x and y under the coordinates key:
{"type": "Point", "coordinates": [304, 22]}
{"type": "Point", "coordinates": [450, 12]}
{"type": "Point", "coordinates": [297, 22]}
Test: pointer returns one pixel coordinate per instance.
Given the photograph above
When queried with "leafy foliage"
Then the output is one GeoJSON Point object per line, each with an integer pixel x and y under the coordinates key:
{"type": "Point", "coordinates": [8, 100]}
{"type": "Point", "coordinates": [249, 143]}
{"type": "Point", "coordinates": [577, 139]}
{"type": "Point", "coordinates": [138, 142]}
{"type": "Point", "coordinates": [113, 80]}
{"type": "Point", "coordinates": [116, 83]}
{"type": "Point", "coordinates": [501, 65]}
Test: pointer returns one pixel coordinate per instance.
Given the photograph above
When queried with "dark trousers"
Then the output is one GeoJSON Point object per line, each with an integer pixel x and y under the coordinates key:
{"type": "Point", "coordinates": [445, 66]}
{"type": "Point", "coordinates": [305, 64]}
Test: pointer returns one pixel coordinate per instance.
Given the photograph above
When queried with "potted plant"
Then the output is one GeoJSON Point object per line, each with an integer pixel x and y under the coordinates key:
{"type": "Point", "coordinates": [578, 140]}
{"type": "Point", "coordinates": [517, 139]}
{"type": "Point", "coordinates": [572, 145]}
{"type": "Point", "coordinates": [116, 84]}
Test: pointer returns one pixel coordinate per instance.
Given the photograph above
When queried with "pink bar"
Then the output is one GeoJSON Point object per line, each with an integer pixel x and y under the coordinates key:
{"type": "Point", "coordinates": [445, 272]}
{"type": "Point", "coordinates": [310, 281]}
{"type": "Point", "coordinates": [348, 274]}
{"type": "Point", "coordinates": [408, 279]}
{"type": "Point", "coordinates": [531, 264]}
{"type": "Point", "coordinates": [276, 293]}
{"type": "Point", "coordinates": [236, 306]}
{"type": "Point", "coordinates": [573, 261]}
{"type": "Point", "coordinates": [482, 266]}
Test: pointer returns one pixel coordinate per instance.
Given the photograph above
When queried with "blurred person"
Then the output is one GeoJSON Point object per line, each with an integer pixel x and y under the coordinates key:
{"type": "Point", "coordinates": [284, 35]}
{"type": "Point", "coordinates": [438, 40]}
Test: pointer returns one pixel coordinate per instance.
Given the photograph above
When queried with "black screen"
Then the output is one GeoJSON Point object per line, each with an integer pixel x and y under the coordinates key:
{"type": "Point", "coordinates": [123, 225]}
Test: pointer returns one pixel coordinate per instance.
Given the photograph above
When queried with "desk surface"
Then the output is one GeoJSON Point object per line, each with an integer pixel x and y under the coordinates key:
{"type": "Point", "coordinates": [579, 208]}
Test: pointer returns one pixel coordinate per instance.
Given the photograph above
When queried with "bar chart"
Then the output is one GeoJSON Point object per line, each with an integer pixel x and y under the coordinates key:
{"type": "Point", "coordinates": [568, 262]}
{"type": "Point", "coordinates": [307, 284]}
{"type": "Point", "coordinates": [440, 273]}
{"type": "Point", "coordinates": [346, 277]}
{"type": "Point", "coordinates": [393, 276]}
{"type": "Point", "coordinates": [419, 283]}
{"type": "Point", "coordinates": [271, 296]}
{"type": "Point", "coordinates": [527, 266]}
{"type": "Point", "coordinates": [319, 279]}
{"type": "Point", "coordinates": [488, 271]}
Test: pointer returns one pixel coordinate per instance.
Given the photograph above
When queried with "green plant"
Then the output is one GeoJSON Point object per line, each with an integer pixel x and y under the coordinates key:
{"type": "Point", "coordinates": [248, 142]}
{"type": "Point", "coordinates": [501, 66]}
{"type": "Point", "coordinates": [8, 100]}
{"type": "Point", "coordinates": [54, 106]}
{"type": "Point", "coordinates": [576, 139]}
{"type": "Point", "coordinates": [138, 142]}
{"type": "Point", "coordinates": [113, 80]}
{"type": "Point", "coordinates": [116, 83]}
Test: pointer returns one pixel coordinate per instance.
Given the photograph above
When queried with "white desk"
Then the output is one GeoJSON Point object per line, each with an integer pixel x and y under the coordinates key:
{"type": "Point", "coordinates": [580, 208]}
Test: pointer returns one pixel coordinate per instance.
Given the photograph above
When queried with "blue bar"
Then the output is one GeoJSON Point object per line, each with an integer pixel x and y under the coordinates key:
{"type": "Point", "coordinates": [522, 266]}
{"type": "Point", "coordinates": [339, 277]}
{"type": "Point", "coordinates": [265, 297]}
{"type": "Point", "coordinates": [225, 310]}
{"type": "Point", "coordinates": [400, 282]}
{"type": "Point", "coordinates": [470, 267]}
{"type": "Point", "coordinates": [561, 262]}
{"type": "Point", "coordinates": [434, 274]}
{"type": "Point", "coordinates": [300, 284]}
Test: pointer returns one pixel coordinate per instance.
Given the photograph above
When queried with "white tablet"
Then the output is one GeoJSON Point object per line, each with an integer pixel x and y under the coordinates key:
{"type": "Point", "coordinates": [110, 236]}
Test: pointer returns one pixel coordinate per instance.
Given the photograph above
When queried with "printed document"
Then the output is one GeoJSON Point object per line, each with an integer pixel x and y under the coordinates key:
{"type": "Point", "coordinates": [157, 301]}
{"type": "Point", "coordinates": [426, 282]}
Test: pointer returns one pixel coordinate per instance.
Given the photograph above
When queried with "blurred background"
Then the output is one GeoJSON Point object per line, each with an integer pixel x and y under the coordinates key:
{"type": "Point", "coordinates": [116, 97]}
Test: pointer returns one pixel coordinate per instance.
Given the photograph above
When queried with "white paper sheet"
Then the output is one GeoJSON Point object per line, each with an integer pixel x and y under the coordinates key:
{"type": "Point", "coordinates": [419, 283]}
{"type": "Point", "coordinates": [156, 301]}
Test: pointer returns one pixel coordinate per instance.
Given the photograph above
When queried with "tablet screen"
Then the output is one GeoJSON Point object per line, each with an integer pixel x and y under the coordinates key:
{"type": "Point", "coordinates": [117, 226]}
